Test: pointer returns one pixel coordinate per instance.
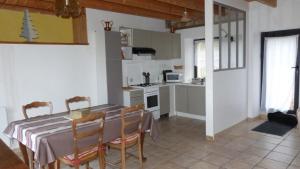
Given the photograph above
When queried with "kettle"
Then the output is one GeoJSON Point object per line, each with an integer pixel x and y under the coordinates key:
{"type": "Point", "coordinates": [147, 77]}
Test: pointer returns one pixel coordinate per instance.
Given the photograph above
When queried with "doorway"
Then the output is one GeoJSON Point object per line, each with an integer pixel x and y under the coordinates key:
{"type": "Point", "coordinates": [280, 72]}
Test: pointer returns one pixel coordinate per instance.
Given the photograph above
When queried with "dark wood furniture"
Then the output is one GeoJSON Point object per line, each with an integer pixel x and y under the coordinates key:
{"type": "Point", "coordinates": [26, 152]}
{"type": "Point", "coordinates": [8, 159]}
{"type": "Point", "coordinates": [77, 99]}
{"type": "Point", "coordinates": [131, 132]}
{"type": "Point", "coordinates": [83, 155]}
{"type": "Point", "coordinates": [36, 104]}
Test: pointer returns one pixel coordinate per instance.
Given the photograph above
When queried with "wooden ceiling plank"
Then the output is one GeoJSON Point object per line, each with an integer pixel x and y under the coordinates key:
{"type": "Point", "coordinates": [197, 5]}
{"type": "Point", "coordinates": [156, 6]}
{"type": "Point", "coordinates": [108, 6]}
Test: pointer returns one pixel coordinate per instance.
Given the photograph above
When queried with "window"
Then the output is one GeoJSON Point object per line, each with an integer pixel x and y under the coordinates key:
{"type": "Point", "coordinates": [199, 57]}
{"type": "Point", "coordinates": [230, 23]}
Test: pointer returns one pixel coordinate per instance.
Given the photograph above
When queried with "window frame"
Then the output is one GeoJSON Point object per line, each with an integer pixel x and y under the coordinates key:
{"type": "Point", "coordinates": [229, 21]}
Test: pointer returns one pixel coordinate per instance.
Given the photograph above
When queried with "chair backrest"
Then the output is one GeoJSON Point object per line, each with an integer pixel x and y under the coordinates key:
{"type": "Point", "coordinates": [77, 99]}
{"type": "Point", "coordinates": [36, 104]}
{"type": "Point", "coordinates": [132, 119]}
{"type": "Point", "coordinates": [87, 133]}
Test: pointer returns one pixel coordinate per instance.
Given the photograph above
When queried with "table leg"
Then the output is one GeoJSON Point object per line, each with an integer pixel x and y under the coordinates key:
{"type": "Point", "coordinates": [52, 165]}
{"type": "Point", "coordinates": [24, 153]}
{"type": "Point", "coordinates": [142, 143]}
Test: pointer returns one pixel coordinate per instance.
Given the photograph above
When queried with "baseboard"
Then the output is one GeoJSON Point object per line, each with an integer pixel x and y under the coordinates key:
{"type": "Point", "coordinates": [210, 138]}
{"type": "Point", "coordinates": [259, 117]}
{"type": "Point", "coordinates": [191, 116]}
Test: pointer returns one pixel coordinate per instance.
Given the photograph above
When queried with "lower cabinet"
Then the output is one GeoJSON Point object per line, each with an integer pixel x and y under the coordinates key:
{"type": "Point", "coordinates": [181, 98]}
{"type": "Point", "coordinates": [133, 97]}
{"type": "Point", "coordinates": [164, 100]}
{"type": "Point", "coordinates": [190, 99]}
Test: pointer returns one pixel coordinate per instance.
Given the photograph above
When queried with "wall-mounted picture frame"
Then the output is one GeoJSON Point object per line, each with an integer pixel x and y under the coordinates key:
{"type": "Point", "coordinates": [126, 36]}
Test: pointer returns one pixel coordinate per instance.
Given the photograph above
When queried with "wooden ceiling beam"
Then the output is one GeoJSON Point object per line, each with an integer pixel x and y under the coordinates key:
{"type": "Point", "coordinates": [35, 5]}
{"type": "Point", "coordinates": [197, 5]}
{"type": "Point", "coordinates": [157, 6]}
{"type": "Point", "coordinates": [114, 7]}
{"type": "Point", "coordinates": [272, 3]}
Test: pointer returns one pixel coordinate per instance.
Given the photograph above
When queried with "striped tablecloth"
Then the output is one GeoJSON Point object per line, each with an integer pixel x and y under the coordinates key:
{"type": "Point", "coordinates": [50, 136]}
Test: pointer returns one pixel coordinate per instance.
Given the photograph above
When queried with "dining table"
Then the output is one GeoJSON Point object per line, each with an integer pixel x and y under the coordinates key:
{"type": "Point", "coordinates": [49, 137]}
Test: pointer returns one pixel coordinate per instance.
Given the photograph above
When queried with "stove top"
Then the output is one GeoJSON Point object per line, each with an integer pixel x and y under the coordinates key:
{"type": "Point", "coordinates": [146, 84]}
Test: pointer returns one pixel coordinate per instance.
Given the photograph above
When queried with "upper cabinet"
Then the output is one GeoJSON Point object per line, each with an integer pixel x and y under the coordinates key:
{"type": "Point", "coordinates": [162, 43]}
{"type": "Point", "coordinates": [167, 45]}
{"type": "Point", "coordinates": [176, 45]}
{"type": "Point", "coordinates": [141, 38]}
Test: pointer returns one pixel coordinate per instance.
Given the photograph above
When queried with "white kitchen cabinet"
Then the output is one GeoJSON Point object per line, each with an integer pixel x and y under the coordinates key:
{"type": "Point", "coordinates": [133, 97]}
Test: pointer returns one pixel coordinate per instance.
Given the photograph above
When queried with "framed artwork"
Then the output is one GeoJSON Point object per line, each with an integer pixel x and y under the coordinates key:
{"type": "Point", "coordinates": [126, 36]}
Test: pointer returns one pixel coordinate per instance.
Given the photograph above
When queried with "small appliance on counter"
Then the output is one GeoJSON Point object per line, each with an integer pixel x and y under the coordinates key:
{"type": "Point", "coordinates": [173, 77]}
{"type": "Point", "coordinates": [200, 81]}
{"type": "Point", "coordinates": [165, 74]}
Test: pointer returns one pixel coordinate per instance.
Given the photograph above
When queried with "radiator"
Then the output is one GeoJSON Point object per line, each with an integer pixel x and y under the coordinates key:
{"type": "Point", "coordinates": [3, 125]}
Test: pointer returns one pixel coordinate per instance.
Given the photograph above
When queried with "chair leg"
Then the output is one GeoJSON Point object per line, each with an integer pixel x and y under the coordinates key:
{"type": "Point", "coordinates": [123, 155]}
{"type": "Point", "coordinates": [24, 153]}
{"type": "Point", "coordinates": [102, 162]}
{"type": "Point", "coordinates": [57, 164]}
{"type": "Point", "coordinates": [30, 158]}
{"type": "Point", "coordinates": [87, 165]}
{"type": "Point", "coordinates": [140, 152]}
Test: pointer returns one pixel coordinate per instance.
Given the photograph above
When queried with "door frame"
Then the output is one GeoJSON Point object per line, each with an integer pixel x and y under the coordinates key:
{"type": "Point", "coordinates": [282, 33]}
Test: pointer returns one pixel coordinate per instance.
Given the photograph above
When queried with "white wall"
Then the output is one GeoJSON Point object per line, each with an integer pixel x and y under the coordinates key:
{"type": "Point", "coordinates": [230, 89]}
{"type": "Point", "coordinates": [56, 72]}
{"type": "Point", "coordinates": [263, 18]}
{"type": "Point", "coordinates": [230, 98]}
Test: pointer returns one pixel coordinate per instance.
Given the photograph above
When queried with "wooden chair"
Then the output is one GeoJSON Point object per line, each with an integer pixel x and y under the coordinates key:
{"type": "Point", "coordinates": [131, 130]}
{"type": "Point", "coordinates": [83, 155]}
{"type": "Point", "coordinates": [27, 153]}
{"type": "Point", "coordinates": [36, 104]}
{"type": "Point", "coordinates": [77, 99]}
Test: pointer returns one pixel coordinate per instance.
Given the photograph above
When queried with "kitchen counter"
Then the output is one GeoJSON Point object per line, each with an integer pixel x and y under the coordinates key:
{"type": "Point", "coordinates": [184, 84]}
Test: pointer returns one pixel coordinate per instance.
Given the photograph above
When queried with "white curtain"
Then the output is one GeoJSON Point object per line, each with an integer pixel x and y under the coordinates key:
{"type": "Point", "coordinates": [280, 57]}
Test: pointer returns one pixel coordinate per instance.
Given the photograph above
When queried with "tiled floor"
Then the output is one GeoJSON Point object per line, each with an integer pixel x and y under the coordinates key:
{"type": "Point", "coordinates": [182, 145]}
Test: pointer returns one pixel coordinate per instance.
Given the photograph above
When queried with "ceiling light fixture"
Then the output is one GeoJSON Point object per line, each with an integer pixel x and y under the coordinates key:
{"type": "Point", "coordinates": [67, 8]}
{"type": "Point", "coordinates": [185, 16]}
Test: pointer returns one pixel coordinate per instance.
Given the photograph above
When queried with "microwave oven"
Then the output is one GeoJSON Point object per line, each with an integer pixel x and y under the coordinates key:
{"type": "Point", "coordinates": [173, 77]}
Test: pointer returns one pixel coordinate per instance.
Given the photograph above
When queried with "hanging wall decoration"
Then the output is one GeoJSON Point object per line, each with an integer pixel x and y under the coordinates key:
{"type": "Point", "coordinates": [28, 30]}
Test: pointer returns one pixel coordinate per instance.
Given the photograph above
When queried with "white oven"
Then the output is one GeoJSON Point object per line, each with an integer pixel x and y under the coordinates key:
{"type": "Point", "coordinates": [151, 100]}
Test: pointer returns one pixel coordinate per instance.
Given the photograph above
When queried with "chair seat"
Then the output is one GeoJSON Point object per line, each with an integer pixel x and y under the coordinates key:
{"type": "Point", "coordinates": [71, 158]}
{"type": "Point", "coordinates": [129, 138]}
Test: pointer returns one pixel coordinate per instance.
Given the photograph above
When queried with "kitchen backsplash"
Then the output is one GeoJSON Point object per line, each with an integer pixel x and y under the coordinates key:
{"type": "Point", "coordinates": [133, 69]}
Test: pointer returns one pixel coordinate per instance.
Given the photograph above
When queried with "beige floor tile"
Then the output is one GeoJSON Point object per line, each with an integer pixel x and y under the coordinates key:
{"type": "Point", "coordinates": [236, 164]}
{"type": "Point", "coordinates": [203, 165]}
{"type": "Point", "coordinates": [184, 161]}
{"type": "Point", "coordinates": [216, 159]}
{"type": "Point", "coordinates": [280, 157]}
{"type": "Point", "coordinates": [249, 158]}
{"type": "Point", "coordinates": [257, 151]}
{"type": "Point", "coordinates": [293, 167]}
{"type": "Point", "coordinates": [271, 164]}
{"type": "Point", "coordinates": [296, 162]}
{"type": "Point", "coordinates": [286, 150]}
